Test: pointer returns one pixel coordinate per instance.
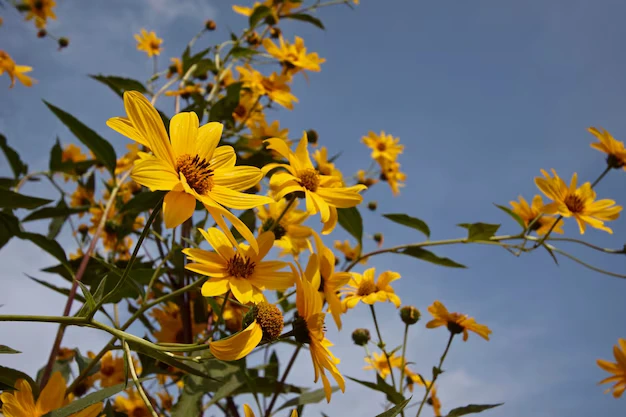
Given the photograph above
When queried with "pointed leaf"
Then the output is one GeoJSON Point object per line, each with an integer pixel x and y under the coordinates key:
{"type": "Point", "coordinates": [308, 397]}
{"type": "Point", "coordinates": [350, 219]}
{"type": "Point", "coordinates": [511, 213]}
{"type": "Point", "coordinates": [64, 291]}
{"type": "Point", "coordinates": [395, 410]}
{"type": "Point", "coordinates": [9, 227]}
{"type": "Point", "coordinates": [48, 245]}
{"type": "Point", "coordinates": [428, 256]}
{"type": "Point", "coordinates": [9, 376]}
{"type": "Point", "coordinates": [480, 231]}
{"type": "Point", "coordinates": [8, 350]}
{"type": "Point", "coordinates": [306, 18]}
{"type": "Point", "coordinates": [120, 84]}
{"type": "Point", "coordinates": [409, 221]}
{"type": "Point", "coordinates": [258, 13]}
{"type": "Point", "coordinates": [17, 166]}
{"type": "Point", "coordinates": [12, 200]}
{"type": "Point", "coordinates": [471, 409]}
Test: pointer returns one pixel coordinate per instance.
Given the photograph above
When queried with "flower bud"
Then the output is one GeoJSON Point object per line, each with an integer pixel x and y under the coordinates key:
{"type": "Point", "coordinates": [378, 238]}
{"type": "Point", "coordinates": [63, 42]}
{"type": "Point", "coordinates": [312, 136]}
{"type": "Point", "coordinates": [42, 33]}
{"type": "Point", "coordinates": [360, 337]}
{"type": "Point", "coordinates": [253, 39]}
{"type": "Point", "coordinates": [410, 315]}
{"type": "Point", "coordinates": [210, 25]}
{"type": "Point", "coordinates": [83, 229]}
{"type": "Point", "coordinates": [372, 205]}
{"type": "Point", "coordinates": [275, 32]}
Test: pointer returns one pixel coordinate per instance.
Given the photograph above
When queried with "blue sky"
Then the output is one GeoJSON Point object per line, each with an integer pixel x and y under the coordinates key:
{"type": "Point", "coordinates": [482, 94]}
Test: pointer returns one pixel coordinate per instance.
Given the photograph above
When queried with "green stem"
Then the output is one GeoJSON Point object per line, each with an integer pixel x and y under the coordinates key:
{"type": "Point", "coordinates": [133, 374]}
{"type": "Point", "coordinates": [281, 384]}
{"type": "Point", "coordinates": [406, 334]}
{"type": "Point", "coordinates": [606, 171]}
{"type": "Point", "coordinates": [435, 374]}
{"type": "Point", "coordinates": [381, 345]}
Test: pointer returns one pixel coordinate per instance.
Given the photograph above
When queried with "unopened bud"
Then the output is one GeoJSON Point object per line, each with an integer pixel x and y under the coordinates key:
{"type": "Point", "coordinates": [63, 42]}
{"type": "Point", "coordinates": [378, 238]}
{"type": "Point", "coordinates": [83, 229]}
{"type": "Point", "coordinates": [410, 315]}
{"type": "Point", "coordinates": [42, 33]}
{"type": "Point", "coordinates": [372, 205]}
{"type": "Point", "coordinates": [210, 25]}
{"type": "Point", "coordinates": [312, 136]}
{"type": "Point", "coordinates": [361, 337]}
{"type": "Point", "coordinates": [275, 32]}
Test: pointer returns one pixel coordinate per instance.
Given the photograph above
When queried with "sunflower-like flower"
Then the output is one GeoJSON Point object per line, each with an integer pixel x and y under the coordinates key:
{"type": "Point", "coordinates": [323, 193]}
{"type": "Point", "coordinates": [291, 235]}
{"type": "Point", "coordinates": [349, 252]}
{"type": "Point", "coordinates": [171, 324]}
{"type": "Point", "coordinates": [241, 270]}
{"type": "Point", "coordinates": [380, 364]}
{"type": "Point", "coordinates": [15, 71]}
{"type": "Point", "coordinates": [176, 67]}
{"type": "Point", "coordinates": [617, 368]}
{"type": "Point", "coordinates": [40, 10]}
{"type": "Point", "coordinates": [320, 156]}
{"type": "Point", "coordinates": [365, 288]}
{"type": "Point", "coordinates": [132, 405]}
{"type": "Point", "coordinates": [456, 322]}
{"type": "Point", "coordinates": [260, 131]}
{"type": "Point", "coordinates": [247, 411]}
{"type": "Point", "coordinates": [390, 173]}
{"type": "Point", "coordinates": [383, 146]}
{"type": "Point", "coordinates": [148, 42]}
{"type": "Point", "coordinates": [413, 378]}
{"type": "Point", "coordinates": [21, 403]}
{"type": "Point", "coordinates": [275, 86]}
{"type": "Point", "coordinates": [614, 149]}
{"type": "Point", "coordinates": [294, 56]}
{"type": "Point", "coordinates": [82, 197]}
{"type": "Point", "coordinates": [578, 202]}
{"type": "Point", "coordinates": [309, 325]}
{"type": "Point", "coordinates": [112, 371]}
{"type": "Point", "coordinates": [285, 7]}
{"type": "Point", "coordinates": [528, 213]}
{"type": "Point", "coordinates": [191, 167]}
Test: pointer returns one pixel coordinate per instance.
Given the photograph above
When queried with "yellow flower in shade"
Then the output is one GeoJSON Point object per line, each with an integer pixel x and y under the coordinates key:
{"type": "Point", "coordinates": [249, 109]}
{"type": "Point", "coordinates": [72, 153]}
{"type": "Point", "coordinates": [112, 370]}
{"type": "Point", "coordinates": [320, 156]}
{"type": "Point", "coordinates": [617, 368]}
{"type": "Point", "coordinates": [241, 270]}
{"type": "Point", "coordinates": [390, 172]}
{"type": "Point", "coordinates": [192, 167]}
{"type": "Point", "coordinates": [247, 411]}
{"type": "Point", "coordinates": [529, 213]}
{"type": "Point", "coordinates": [186, 91]}
{"type": "Point", "coordinates": [285, 7]}
{"type": "Point", "coordinates": [275, 86]}
{"type": "Point", "coordinates": [110, 238]}
{"type": "Point", "coordinates": [330, 280]}
{"type": "Point", "coordinates": [21, 403]}
{"type": "Point", "coordinates": [166, 400]}
{"type": "Point", "coordinates": [260, 131]}
{"type": "Point", "coordinates": [380, 364]}
{"type": "Point", "coordinates": [362, 178]}
{"type": "Point", "coordinates": [434, 401]}
{"type": "Point", "coordinates": [171, 324]}
{"type": "Point", "coordinates": [65, 354]}
{"type": "Point", "coordinates": [309, 325]}
{"type": "Point", "coordinates": [383, 146]}
{"type": "Point", "coordinates": [232, 315]}
{"type": "Point", "coordinates": [322, 192]}
{"type": "Point", "coordinates": [176, 67]}
{"type": "Point", "coordinates": [365, 288]}
{"type": "Point", "coordinates": [81, 197]}
{"type": "Point", "coordinates": [349, 252]}
{"type": "Point", "coordinates": [413, 378]}
{"type": "Point", "coordinates": [294, 56]}
{"type": "Point", "coordinates": [40, 10]}
{"type": "Point", "coordinates": [616, 154]}
{"type": "Point", "coordinates": [226, 78]}
{"type": "Point", "coordinates": [291, 235]}
{"type": "Point", "coordinates": [15, 71]}
{"type": "Point", "coordinates": [577, 202]}
{"type": "Point", "coordinates": [456, 322]}
{"type": "Point", "coordinates": [133, 405]}
{"type": "Point", "coordinates": [148, 42]}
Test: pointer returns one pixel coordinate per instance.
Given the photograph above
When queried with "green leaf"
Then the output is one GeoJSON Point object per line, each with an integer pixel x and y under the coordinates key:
{"type": "Point", "coordinates": [240, 52]}
{"type": "Point", "coordinates": [17, 166]}
{"type": "Point", "coordinates": [143, 201]}
{"type": "Point", "coordinates": [189, 367]}
{"type": "Point", "coordinates": [87, 400]}
{"type": "Point", "coordinates": [7, 183]}
{"type": "Point", "coordinates": [511, 213]}
{"type": "Point", "coordinates": [6, 349]}
{"type": "Point", "coordinates": [90, 302]}
{"type": "Point", "coordinates": [428, 256]}
{"type": "Point", "coordinates": [480, 231]}
{"type": "Point", "coordinates": [226, 389]}
{"type": "Point", "coordinates": [190, 60]}
{"type": "Point", "coordinates": [9, 376]}
{"type": "Point", "coordinates": [393, 396]}
{"type": "Point", "coordinates": [12, 200]}
{"type": "Point", "coordinates": [60, 210]}
{"type": "Point", "coordinates": [98, 145]}
{"type": "Point", "coordinates": [273, 367]}
{"type": "Point", "coordinates": [409, 221]}
{"type": "Point", "coordinates": [306, 18]}
{"type": "Point", "coordinates": [64, 291]}
{"type": "Point", "coordinates": [58, 366]}
{"type": "Point", "coordinates": [258, 13]}
{"type": "Point", "coordinates": [222, 111]}
{"type": "Point", "coordinates": [120, 84]}
{"type": "Point", "coordinates": [395, 410]}
{"type": "Point", "coordinates": [471, 409]}
{"type": "Point", "coordinates": [308, 397]}
{"type": "Point", "coordinates": [48, 245]}
{"type": "Point", "coordinates": [350, 219]}
{"type": "Point", "coordinates": [9, 227]}
{"type": "Point", "coordinates": [83, 362]}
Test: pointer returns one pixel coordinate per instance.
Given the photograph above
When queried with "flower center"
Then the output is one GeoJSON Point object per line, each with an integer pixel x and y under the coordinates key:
{"type": "Point", "coordinates": [574, 203]}
{"type": "Point", "coordinates": [309, 179]}
{"type": "Point", "coordinates": [196, 171]}
{"type": "Point", "coordinates": [381, 146]}
{"type": "Point", "coordinates": [366, 287]}
{"type": "Point", "coordinates": [154, 45]}
{"type": "Point", "coordinates": [107, 370]}
{"type": "Point", "coordinates": [453, 323]}
{"type": "Point", "coordinates": [269, 317]}
{"type": "Point", "coordinates": [239, 268]}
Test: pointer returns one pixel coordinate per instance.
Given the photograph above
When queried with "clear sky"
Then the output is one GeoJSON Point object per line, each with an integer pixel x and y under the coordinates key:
{"type": "Point", "coordinates": [483, 94]}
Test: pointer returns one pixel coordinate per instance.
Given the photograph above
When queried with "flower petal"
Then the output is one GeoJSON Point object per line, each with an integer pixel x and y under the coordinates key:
{"type": "Point", "coordinates": [208, 137]}
{"type": "Point", "coordinates": [155, 174]}
{"type": "Point", "coordinates": [124, 126]}
{"type": "Point", "coordinates": [237, 200]}
{"type": "Point", "coordinates": [215, 287]}
{"type": "Point", "coordinates": [178, 206]}
{"type": "Point", "coordinates": [236, 347]}
{"type": "Point", "coordinates": [239, 178]}
{"type": "Point", "coordinates": [183, 133]}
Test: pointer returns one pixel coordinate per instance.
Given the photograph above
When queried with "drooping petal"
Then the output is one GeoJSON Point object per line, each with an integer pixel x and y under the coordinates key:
{"type": "Point", "coordinates": [183, 133]}
{"type": "Point", "coordinates": [53, 394]}
{"type": "Point", "coordinates": [124, 126]}
{"type": "Point", "coordinates": [218, 213]}
{"type": "Point", "coordinates": [236, 347]}
{"type": "Point", "coordinates": [178, 206]}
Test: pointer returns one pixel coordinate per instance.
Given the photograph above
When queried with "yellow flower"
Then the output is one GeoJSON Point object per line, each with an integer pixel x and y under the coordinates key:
{"type": "Point", "coordinates": [294, 56]}
{"type": "Point", "coordinates": [171, 324]}
{"type": "Point", "coordinates": [148, 42]}
{"type": "Point", "coordinates": [290, 234]}
{"type": "Point", "coordinates": [112, 370]}
{"type": "Point", "coordinates": [166, 400]}
{"type": "Point", "coordinates": [15, 71]}
{"type": "Point", "coordinates": [577, 202]}
{"type": "Point", "coordinates": [40, 10]}
{"type": "Point", "coordinates": [20, 403]}
{"type": "Point", "coordinates": [232, 315]}
{"type": "Point", "coordinates": [127, 161]}
{"type": "Point", "coordinates": [363, 288]}
{"type": "Point", "coordinates": [285, 7]}
{"type": "Point", "coordinates": [72, 153]}
{"type": "Point", "coordinates": [81, 197]}
{"type": "Point", "coordinates": [434, 402]}
{"type": "Point", "coordinates": [390, 172]}
{"type": "Point", "coordinates": [175, 68]}
{"type": "Point", "coordinates": [247, 411]}
{"type": "Point", "coordinates": [227, 78]}
{"type": "Point", "coordinates": [361, 176]}
{"type": "Point", "coordinates": [413, 378]}
{"type": "Point", "coordinates": [455, 322]}
{"type": "Point", "coordinates": [529, 213]}
{"type": "Point", "coordinates": [191, 167]}
{"type": "Point", "coordinates": [320, 156]}
{"type": "Point", "coordinates": [616, 154]}
{"type": "Point", "coordinates": [330, 280]}
{"type": "Point", "coordinates": [617, 368]}
{"type": "Point", "coordinates": [380, 364]}
{"type": "Point", "coordinates": [383, 146]}
{"type": "Point", "coordinates": [349, 252]}
{"type": "Point", "coordinates": [322, 192]}
{"type": "Point", "coordinates": [242, 270]}
{"type": "Point", "coordinates": [249, 109]}
{"type": "Point", "coordinates": [261, 131]}
{"type": "Point", "coordinates": [186, 91]}
{"type": "Point", "coordinates": [309, 325]}
{"type": "Point", "coordinates": [133, 405]}
{"type": "Point", "coordinates": [275, 86]}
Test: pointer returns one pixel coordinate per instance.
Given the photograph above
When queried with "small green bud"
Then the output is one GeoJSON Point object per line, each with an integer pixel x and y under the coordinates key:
{"type": "Point", "coordinates": [312, 136]}
{"type": "Point", "coordinates": [372, 205]}
{"type": "Point", "coordinates": [361, 337]}
{"type": "Point", "coordinates": [410, 315]}
{"type": "Point", "coordinates": [210, 25]}
{"type": "Point", "coordinates": [63, 42]}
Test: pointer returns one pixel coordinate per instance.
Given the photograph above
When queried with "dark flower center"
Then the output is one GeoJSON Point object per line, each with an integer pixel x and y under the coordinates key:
{"type": "Point", "coordinates": [574, 203]}
{"type": "Point", "coordinates": [196, 171]}
{"type": "Point", "coordinates": [309, 179]}
{"type": "Point", "coordinates": [366, 287]}
{"type": "Point", "coordinates": [240, 268]}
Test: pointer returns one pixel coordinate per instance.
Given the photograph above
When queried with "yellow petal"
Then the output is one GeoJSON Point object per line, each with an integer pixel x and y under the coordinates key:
{"type": "Point", "coordinates": [183, 133]}
{"type": "Point", "coordinates": [239, 178]}
{"type": "Point", "coordinates": [237, 200]}
{"type": "Point", "coordinates": [219, 242]}
{"type": "Point", "coordinates": [223, 157]}
{"type": "Point", "coordinates": [178, 206]}
{"type": "Point", "coordinates": [215, 287]}
{"type": "Point", "coordinates": [124, 126]}
{"type": "Point", "coordinates": [247, 411]}
{"type": "Point", "coordinates": [208, 137]}
{"type": "Point", "coordinates": [93, 410]}
{"type": "Point", "coordinates": [154, 174]}
{"type": "Point", "coordinates": [236, 347]}
{"type": "Point", "coordinates": [53, 394]}
{"type": "Point", "coordinates": [218, 212]}
{"type": "Point", "coordinates": [242, 289]}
